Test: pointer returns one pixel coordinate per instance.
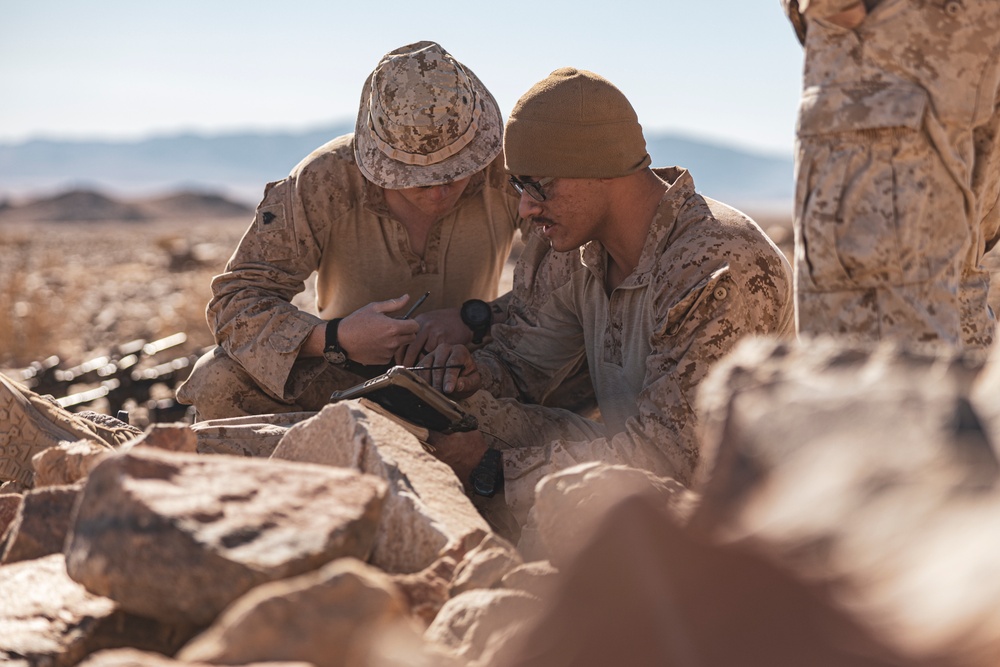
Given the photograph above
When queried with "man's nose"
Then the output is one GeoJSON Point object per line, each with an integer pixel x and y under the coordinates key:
{"type": "Point", "coordinates": [528, 206]}
{"type": "Point", "coordinates": [439, 192]}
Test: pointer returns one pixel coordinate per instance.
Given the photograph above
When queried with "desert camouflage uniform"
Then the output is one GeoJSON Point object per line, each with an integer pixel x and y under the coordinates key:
{"type": "Point", "coordinates": [897, 174]}
{"type": "Point", "coordinates": [707, 277]}
{"type": "Point", "coordinates": [326, 217]}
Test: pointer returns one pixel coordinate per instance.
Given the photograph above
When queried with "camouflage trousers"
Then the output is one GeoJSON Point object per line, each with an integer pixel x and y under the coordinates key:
{"type": "Point", "coordinates": [220, 388]}
{"type": "Point", "coordinates": [885, 246]}
{"type": "Point", "coordinates": [535, 442]}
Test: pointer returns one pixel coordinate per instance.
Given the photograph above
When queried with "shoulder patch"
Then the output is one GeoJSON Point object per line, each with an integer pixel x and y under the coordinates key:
{"type": "Point", "coordinates": [271, 217]}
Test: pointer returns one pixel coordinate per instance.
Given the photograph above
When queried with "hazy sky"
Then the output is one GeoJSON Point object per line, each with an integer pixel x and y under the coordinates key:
{"type": "Point", "coordinates": [724, 70]}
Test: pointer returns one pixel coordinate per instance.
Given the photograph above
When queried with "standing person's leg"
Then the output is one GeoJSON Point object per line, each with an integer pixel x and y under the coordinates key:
{"type": "Point", "coordinates": [881, 237]}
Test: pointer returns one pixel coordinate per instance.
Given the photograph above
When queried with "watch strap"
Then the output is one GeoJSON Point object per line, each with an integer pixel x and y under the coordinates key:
{"type": "Point", "coordinates": [487, 476]}
{"type": "Point", "coordinates": [331, 349]}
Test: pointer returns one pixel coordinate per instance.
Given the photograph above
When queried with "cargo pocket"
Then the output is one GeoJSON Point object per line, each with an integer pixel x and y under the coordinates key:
{"type": "Point", "coordinates": [865, 175]}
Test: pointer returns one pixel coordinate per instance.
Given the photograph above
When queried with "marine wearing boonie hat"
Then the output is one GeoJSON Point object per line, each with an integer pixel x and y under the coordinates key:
{"type": "Point", "coordinates": [574, 124]}
{"type": "Point", "coordinates": [424, 119]}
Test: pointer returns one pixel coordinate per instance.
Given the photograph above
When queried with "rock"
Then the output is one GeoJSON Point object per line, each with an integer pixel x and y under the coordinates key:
{"type": "Point", "coordinates": [67, 463]}
{"type": "Point", "coordinates": [866, 468]}
{"type": "Point", "coordinates": [253, 435]}
{"type": "Point", "coordinates": [568, 502]}
{"type": "Point", "coordinates": [536, 578]}
{"type": "Point", "coordinates": [40, 527]}
{"type": "Point", "coordinates": [645, 590]}
{"type": "Point", "coordinates": [46, 618]}
{"type": "Point", "coordinates": [327, 617]}
{"type": "Point", "coordinates": [178, 536]}
{"type": "Point", "coordinates": [171, 437]}
{"type": "Point", "coordinates": [427, 591]}
{"type": "Point", "coordinates": [128, 657]}
{"type": "Point", "coordinates": [10, 504]}
{"type": "Point", "coordinates": [485, 565]}
{"type": "Point", "coordinates": [473, 625]}
{"type": "Point", "coordinates": [426, 510]}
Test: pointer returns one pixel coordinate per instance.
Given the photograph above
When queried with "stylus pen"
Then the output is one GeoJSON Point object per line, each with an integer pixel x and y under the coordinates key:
{"type": "Point", "coordinates": [415, 306]}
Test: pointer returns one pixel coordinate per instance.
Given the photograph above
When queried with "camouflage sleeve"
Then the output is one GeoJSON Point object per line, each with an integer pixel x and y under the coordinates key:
{"type": "Point", "coordinates": [690, 336]}
{"type": "Point", "coordinates": [251, 313]}
{"type": "Point", "coordinates": [539, 272]}
{"type": "Point", "coordinates": [527, 359]}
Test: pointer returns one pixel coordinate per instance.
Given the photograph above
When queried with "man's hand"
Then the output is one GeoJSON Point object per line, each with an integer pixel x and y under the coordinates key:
{"type": "Point", "coordinates": [437, 327]}
{"type": "Point", "coordinates": [369, 336]}
{"type": "Point", "coordinates": [463, 379]}
{"type": "Point", "coordinates": [462, 452]}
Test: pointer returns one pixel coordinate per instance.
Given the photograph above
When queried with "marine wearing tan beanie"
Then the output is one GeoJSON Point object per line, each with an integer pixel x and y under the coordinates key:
{"type": "Point", "coordinates": [574, 124]}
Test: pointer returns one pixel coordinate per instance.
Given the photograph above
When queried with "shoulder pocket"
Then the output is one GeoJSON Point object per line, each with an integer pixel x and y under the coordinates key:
{"type": "Point", "coordinates": [273, 223]}
{"type": "Point", "coordinates": [718, 287]}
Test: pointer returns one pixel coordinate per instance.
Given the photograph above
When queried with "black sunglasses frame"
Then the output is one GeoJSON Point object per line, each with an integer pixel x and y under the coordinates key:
{"type": "Point", "coordinates": [533, 188]}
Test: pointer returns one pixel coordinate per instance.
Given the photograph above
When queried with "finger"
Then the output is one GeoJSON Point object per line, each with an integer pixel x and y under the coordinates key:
{"type": "Point", "coordinates": [390, 305]}
{"type": "Point", "coordinates": [414, 349]}
{"type": "Point", "coordinates": [426, 361]}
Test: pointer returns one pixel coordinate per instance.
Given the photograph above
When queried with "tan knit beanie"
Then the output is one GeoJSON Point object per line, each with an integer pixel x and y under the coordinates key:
{"type": "Point", "coordinates": [574, 124]}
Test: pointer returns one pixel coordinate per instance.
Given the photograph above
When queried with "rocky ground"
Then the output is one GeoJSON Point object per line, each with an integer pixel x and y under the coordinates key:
{"type": "Point", "coordinates": [845, 512]}
{"type": "Point", "coordinates": [84, 274]}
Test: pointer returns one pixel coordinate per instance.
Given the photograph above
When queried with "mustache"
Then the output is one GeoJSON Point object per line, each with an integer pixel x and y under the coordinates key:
{"type": "Point", "coordinates": [541, 221]}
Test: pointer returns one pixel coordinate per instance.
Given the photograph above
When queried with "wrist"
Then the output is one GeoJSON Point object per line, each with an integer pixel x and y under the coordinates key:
{"type": "Point", "coordinates": [333, 351]}
{"type": "Point", "coordinates": [486, 478]}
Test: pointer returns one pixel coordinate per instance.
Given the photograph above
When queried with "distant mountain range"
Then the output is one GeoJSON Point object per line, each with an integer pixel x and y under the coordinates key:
{"type": "Point", "coordinates": [238, 165]}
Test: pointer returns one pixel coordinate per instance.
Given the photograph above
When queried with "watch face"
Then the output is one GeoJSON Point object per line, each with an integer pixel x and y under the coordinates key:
{"type": "Point", "coordinates": [487, 477]}
{"type": "Point", "coordinates": [476, 313]}
{"type": "Point", "coordinates": [335, 357]}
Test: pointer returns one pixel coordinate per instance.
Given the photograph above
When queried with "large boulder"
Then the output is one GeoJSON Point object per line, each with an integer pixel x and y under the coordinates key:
{"type": "Point", "coordinates": [328, 617]}
{"type": "Point", "coordinates": [645, 590]}
{"type": "Point", "coordinates": [179, 536]}
{"type": "Point", "coordinates": [865, 469]}
{"type": "Point", "coordinates": [426, 509]}
{"type": "Point", "coordinates": [46, 618]}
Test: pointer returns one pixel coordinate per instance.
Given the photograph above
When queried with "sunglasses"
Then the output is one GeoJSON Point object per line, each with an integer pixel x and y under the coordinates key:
{"type": "Point", "coordinates": [533, 188]}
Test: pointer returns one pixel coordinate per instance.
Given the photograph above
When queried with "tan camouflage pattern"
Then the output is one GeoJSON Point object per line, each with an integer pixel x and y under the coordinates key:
{"type": "Point", "coordinates": [537, 274]}
{"type": "Point", "coordinates": [326, 217]}
{"type": "Point", "coordinates": [896, 172]}
{"type": "Point", "coordinates": [425, 119]}
{"type": "Point", "coordinates": [707, 277]}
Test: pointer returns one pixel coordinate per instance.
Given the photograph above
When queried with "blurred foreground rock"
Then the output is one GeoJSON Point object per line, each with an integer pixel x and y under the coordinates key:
{"type": "Point", "coordinates": [845, 515]}
{"type": "Point", "coordinates": [867, 472]}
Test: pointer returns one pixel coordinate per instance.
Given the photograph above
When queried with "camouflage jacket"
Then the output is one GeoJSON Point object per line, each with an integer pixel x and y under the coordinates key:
{"type": "Point", "coordinates": [326, 217]}
{"type": "Point", "coordinates": [707, 276]}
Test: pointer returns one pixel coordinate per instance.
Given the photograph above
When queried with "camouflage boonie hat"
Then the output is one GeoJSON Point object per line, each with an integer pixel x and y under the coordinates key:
{"type": "Point", "coordinates": [424, 119]}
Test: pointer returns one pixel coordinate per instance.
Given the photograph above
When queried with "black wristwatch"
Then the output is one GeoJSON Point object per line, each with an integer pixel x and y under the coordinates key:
{"type": "Point", "coordinates": [478, 316]}
{"type": "Point", "coordinates": [487, 476]}
{"type": "Point", "coordinates": [332, 351]}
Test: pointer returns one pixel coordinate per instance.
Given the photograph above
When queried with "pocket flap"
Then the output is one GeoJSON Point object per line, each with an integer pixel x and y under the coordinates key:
{"type": "Point", "coordinates": [848, 108]}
